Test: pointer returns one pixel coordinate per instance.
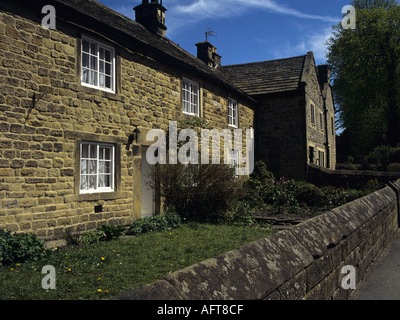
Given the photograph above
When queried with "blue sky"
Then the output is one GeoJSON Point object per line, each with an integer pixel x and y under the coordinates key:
{"type": "Point", "coordinates": [249, 30]}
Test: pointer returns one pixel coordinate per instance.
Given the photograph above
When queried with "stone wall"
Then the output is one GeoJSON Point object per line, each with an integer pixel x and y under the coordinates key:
{"type": "Point", "coordinates": [45, 112]}
{"type": "Point", "coordinates": [304, 262]}
{"type": "Point", "coordinates": [348, 178]}
{"type": "Point", "coordinates": [281, 135]}
{"type": "Point", "coordinates": [319, 135]}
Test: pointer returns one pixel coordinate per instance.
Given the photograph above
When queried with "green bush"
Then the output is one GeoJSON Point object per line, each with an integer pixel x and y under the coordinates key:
{"type": "Point", "coordinates": [307, 194]}
{"type": "Point", "coordinates": [199, 192]}
{"type": "Point", "coordinates": [19, 248]}
{"type": "Point", "coordinates": [103, 233]}
{"type": "Point", "coordinates": [241, 213]}
{"type": "Point", "coordinates": [157, 223]}
{"type": "Point", "coordinates": [110, 232]}
{"type": "Point", "coordinates": [91, 237]}
{"type": "Point", "coordinates": [380, 158]}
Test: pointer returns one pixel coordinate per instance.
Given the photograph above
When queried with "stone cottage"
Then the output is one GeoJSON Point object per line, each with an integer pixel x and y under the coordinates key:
{"type": "Point", "coordinates": [76, 103]}
{"type": "Point", "coordinates": [295, 116]}
{"type": "Point", "coordinates": [78, 99]}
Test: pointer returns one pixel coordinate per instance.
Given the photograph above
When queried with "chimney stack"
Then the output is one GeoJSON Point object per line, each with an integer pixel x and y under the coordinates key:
{"type": "Point", "coordinates": [152, 16]}
{"type": "Point", "coordinates": [207, 53]}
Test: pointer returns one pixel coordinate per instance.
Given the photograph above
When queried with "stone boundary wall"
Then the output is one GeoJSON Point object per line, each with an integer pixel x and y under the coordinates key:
{"type": "Point", "coordinates": [304, 262]}
{"type": "Point", "coordinates": [347, 178]}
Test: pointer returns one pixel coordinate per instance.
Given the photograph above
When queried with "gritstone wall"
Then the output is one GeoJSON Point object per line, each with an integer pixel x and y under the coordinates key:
{"type": "Point", "coordinates": [304, 262]}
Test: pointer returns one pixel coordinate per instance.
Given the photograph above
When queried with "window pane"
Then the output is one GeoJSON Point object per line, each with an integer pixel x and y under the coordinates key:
{"type": "Point", "coordinates": [92, 168]}
{"type": "Point", "coordinates": [93, 151]}
{"type": "Point", "coordinates": [108, 55]}
{"type": "Point", "coordinates": [107, 153]}
{"type": "Point", "coordinates": [101, 65]}
{"type": "Point", "coordinates": [84, 184]}
{"type": "Point", "coordinates": [93, 63]}
{"type": "Point", "coordinates": [101, 181]}
{"type": "Point", "coordinates": [91, 182]}
{"type": "Point", "coordinates": [93, 49]}
{"type": "Point", "coordinates": [85, 60]}
{"type": "Point", "coordinates": [85, 46]}
{"type": "Point", "coordinates": [108, 82]}
{"type": "Point", "coordinates": [102, 80]}
{"type": "Point", "coordinates": [84, 166]}
{"type": "Point", "coordinates": [104, 166]}
{"type": "Point", "coordinates": [101, 52]}
{"type": "Point", "coordinates": [85, 152]}
{"type": "Point", "coordinates": [93, 78]}
{"type": "Point", "coordinates": [85, 76]}
{"type": "Point", "coordinates": [108, 69]}
{"type": "Point", "coordinates": [107, 182]}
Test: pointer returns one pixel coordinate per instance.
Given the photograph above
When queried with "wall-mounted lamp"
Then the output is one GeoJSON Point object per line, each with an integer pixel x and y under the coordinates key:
{"type": "Point", "coordinates": [134, 136]}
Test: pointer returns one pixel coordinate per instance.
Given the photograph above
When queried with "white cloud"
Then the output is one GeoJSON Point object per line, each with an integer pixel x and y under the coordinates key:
{"type": "Point", "coordinates": [313, 41]}
{"type": "Point", "coordinates": [226, 8]}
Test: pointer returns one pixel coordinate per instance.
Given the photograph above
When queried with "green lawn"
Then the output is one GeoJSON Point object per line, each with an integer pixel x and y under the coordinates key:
{"type": "Point", "coordinates": [105, 270]}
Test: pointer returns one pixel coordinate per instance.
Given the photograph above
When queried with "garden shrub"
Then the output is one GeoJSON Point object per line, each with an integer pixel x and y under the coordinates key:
{"type": "Point", "coordinates": [19, 248]}
{"type": "Point", "coordinates": [380, 158]}
{"type": "Point", "coordinates": [110, 232]}
{"type": "Point", "coordinates": [199, 192]}
{"type": "Point", "coordinates": [241, 213]}
{"type": "Point", "coordinates": [307, 194]}
{"type": "Point", "coordinates": [157, 223]}
{"type": "Point", "coordinates": [103, 233]}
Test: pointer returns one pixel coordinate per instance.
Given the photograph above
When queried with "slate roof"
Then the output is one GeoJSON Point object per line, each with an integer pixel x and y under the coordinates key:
{"type": "Point", "coordinates": [266, 77]}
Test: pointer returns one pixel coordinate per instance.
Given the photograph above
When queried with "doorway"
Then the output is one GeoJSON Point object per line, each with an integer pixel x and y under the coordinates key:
{"type": "Point", "coordinates": [148, 187]}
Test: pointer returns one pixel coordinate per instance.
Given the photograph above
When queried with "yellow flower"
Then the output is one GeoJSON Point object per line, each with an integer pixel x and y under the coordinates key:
{"type": "Point", "coordinates": [98, 279]}
{"type": "Point", "coordinates": [102, 258]}
{"type": "Point", "coordinates": [69, 269]}
{"type": "Point", "coordinates": [99, 290]}
{"type": "Point", "coordinates": [12, 269]}
{"type": "Point", "coordinates": [106, 291]}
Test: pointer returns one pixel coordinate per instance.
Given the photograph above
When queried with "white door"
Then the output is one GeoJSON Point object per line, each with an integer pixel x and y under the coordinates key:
{"type": "Point", "coordinates": [148, 191]}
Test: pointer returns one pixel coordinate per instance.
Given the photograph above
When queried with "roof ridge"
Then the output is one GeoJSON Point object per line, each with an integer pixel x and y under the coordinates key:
{"type": "Point", "coordinates": [259, 62]}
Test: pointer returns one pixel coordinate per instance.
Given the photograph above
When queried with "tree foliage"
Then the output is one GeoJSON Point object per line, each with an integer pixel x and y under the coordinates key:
{"type": "Point", "coordinates": [365, 65]}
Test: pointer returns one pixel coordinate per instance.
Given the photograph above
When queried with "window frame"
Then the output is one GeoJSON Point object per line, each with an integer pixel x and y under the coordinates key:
{"type": "Point", "coordinates": [189, 102]}
{"type": "Point", "coordinates": [99, 45]}
{"type": "Point", "coordinates": [233, 113]}
{"type": "Point", "coordinates": [112, 174]}
{"type": "Point", "coordinates": [234, 160]}
{"type": "Point", "coordinates": [321, 158]}
{"type": "Point", "coordinates": [321, 121]}
{"type": "Point", "coordinates": [313, 122]}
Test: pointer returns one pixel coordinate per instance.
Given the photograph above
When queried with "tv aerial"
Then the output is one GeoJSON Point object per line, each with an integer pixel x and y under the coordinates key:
{"type": "Point", "coordinates": [210, 33]}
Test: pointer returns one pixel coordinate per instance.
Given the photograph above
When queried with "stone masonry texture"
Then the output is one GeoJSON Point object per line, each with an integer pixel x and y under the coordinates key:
{"type": "Point", "coordinates": [45, 112]}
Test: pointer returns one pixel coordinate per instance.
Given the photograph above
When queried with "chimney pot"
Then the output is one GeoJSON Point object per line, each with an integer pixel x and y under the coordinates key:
{"type": "Point", "coordinates": [207, 53]}
{"type": "Point", "coordinates": [152, 16]}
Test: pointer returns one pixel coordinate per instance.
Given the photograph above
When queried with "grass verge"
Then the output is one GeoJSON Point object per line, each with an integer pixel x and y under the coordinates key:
{"type": "Point", "coordinates": [104, 270]}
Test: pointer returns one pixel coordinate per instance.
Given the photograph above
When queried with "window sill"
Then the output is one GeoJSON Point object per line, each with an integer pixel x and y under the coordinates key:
{"type": "Point", "coordinates": [98, 196]}
{"type": "Point", "coordinates": [112, 95]}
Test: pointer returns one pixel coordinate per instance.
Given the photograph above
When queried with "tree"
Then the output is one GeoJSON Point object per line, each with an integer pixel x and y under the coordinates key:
{"type": "Point", "coordinates": [365, 65]}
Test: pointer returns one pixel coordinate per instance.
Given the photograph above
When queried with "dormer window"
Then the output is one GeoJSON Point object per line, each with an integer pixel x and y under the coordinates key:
{"type": "Point", "coordinates": [98, 65]}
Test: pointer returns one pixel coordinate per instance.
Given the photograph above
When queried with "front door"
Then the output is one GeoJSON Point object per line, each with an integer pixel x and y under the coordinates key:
{"type": "Point", "coordinates": [148, 190]}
